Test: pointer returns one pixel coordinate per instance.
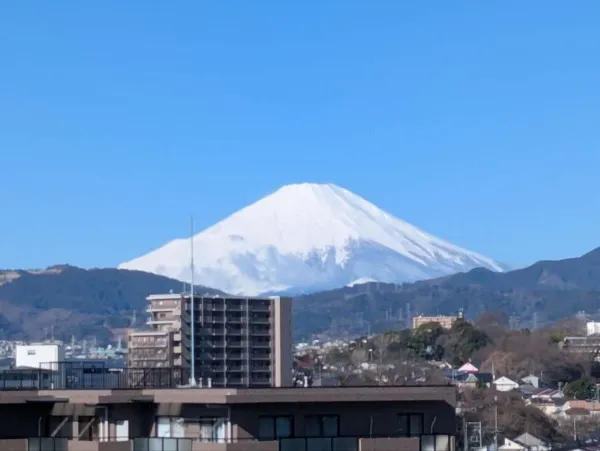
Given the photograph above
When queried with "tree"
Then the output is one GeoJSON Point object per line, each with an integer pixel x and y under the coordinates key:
{"type": "Point", "coordinates": [583, 389]}
{"type": "Point", "coordinates": [382, 344]}
{"type": "Point", "coordinates": [514, 416]}
{"type": "Point", "coordinates": [425, 341]}
{"type": "Point", "coordinates": [562, 373]}
{"type": "Point", "coordinates": [463, 341]}
{"type": "Point", "coordinates": [495, 318]}
{"type": "Point", "coordinates": [348, 374]}
{"type": "Point", "coordinates": [338, 356]}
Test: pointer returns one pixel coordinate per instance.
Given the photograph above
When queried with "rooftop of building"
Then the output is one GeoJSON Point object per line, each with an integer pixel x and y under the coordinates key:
{"type": "Point", "coordinates": [224, 396]}
{"type": "Point", "coordinates": [172, 384]}
{"type": "Point", "coordinates": [169, 296]}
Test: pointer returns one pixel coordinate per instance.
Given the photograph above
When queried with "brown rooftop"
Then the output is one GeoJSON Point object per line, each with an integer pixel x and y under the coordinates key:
{"type": "Point", "coordinates": [226, 396]}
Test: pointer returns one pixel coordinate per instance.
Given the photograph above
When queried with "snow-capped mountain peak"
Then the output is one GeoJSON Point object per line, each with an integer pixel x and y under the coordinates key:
{"type": "Point", "coordinates": [308, 236]}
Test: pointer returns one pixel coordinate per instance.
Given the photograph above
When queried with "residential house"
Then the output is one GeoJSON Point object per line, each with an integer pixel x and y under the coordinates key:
{"type": "Point", "coordinates": [548, 400]}
{"type": "Point", "coordinates": [470, 381]}
{"type": "Point", "coordinates": [527, 391]}
{"type": "Point", "coordinates": [511, 445]}
{"type": "Point", "coordinates": [505, 384]}
{"type": "Point", "coordinates": [532, 380]}
{"type": "Point", "coordinates": [531, 442]}
{"type": "Point", "coordinates": [468, 368]}
{"type": "Point", "coordinates": [580, 408]}
{"type": "Point", "coordinates": [524, 442]}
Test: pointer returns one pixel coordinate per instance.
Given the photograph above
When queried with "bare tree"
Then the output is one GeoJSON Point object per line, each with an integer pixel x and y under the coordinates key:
{"type": "Point", "coordinates": [382, 343]}
{"type": "Point", "coordinates": [349, 373]}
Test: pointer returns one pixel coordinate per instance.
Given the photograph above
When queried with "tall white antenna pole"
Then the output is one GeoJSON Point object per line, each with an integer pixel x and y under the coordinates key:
{"type": "Point", "coordinates": [193, 314]}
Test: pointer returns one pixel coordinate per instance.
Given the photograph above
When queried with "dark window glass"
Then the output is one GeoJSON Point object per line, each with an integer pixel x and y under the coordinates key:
{"type": "Point", "coordinates": [322, 426]}
{"type": "Point", "coordinates": [331, 426]}
{"type": "Point", "coordinates": [410, 425]}
{"type": "Point", "coordinates": [283, 427]}
{"type": "Point", "coordinates": [266, 428]}
{"type": "Point", "coordinates": [271, 428]}
{"type": "Point", "coordinates": [416, 425]}
{"type": "Point", "coordinates": [312, 427]}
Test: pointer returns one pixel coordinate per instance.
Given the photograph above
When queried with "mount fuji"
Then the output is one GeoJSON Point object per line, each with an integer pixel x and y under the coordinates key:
{"type": "Point", "coordinates": [308, 237]}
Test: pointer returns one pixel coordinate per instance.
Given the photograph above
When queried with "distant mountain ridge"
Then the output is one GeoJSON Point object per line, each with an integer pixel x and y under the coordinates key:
{"type": "Point", "coordinates": [582, 273]}
{"type": "Point", "coordinates": [71, 300]}
{"type": "Point", "coordinates": [94, 302]}
{"type": "Point", "coordinates": [305, 238]}
{"type": "Point", "coordinates": [550, 290]}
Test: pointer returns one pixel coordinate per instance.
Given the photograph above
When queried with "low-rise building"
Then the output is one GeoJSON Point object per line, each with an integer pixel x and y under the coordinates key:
{"type": "Point", "coordinates": [411, 418]}
{"type": "Point", "coordinates": [39, 355]}
{"type": "Point", "coordinates": [505, 384]}
{"type": "Point", "coordinates": [582, 345]}
{"type": "Point", "coordinates": [446, 321]}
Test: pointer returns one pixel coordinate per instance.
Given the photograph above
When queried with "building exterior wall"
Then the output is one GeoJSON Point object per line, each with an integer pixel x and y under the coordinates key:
{"type": "Point", "coordinates": [282, 342]}
{"type": "Point", "coordinates": [158, 347]}
{"type": "Point", "coordinates": [445, 321]}
{"type": "Point", "coordinates": [239, 342]}
{"type": "Point", "coordinates": [39, 355]}
{"type": "Point", "coordinates": [360, 419]}
{"type": "Point", "coordinates": [363, 414]}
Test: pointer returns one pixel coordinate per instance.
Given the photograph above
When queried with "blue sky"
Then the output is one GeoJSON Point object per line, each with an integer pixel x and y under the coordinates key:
{"type": "Point", "coordinates": [477, 121]}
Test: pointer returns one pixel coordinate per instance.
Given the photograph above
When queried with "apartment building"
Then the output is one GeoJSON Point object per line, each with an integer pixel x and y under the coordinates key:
{"type": "Point", "coordinates": [238, 341]}
{"type": "Point", "coordinates": [446, 321]}
{"type": "Point", "coordinates": [410, 418]}
{"type": "Point", "coordinates": [160, 345]}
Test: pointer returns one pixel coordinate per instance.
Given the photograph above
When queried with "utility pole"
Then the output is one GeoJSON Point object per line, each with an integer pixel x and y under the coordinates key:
{"type": "Point", "coordinates": [496, 422]}
{"type": "Point", "coordinates": [192, 314]}
{"type": "Point", "coordinates": [465, 435]}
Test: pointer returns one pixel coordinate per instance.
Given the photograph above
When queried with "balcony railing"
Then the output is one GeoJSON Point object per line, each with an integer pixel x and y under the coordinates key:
{"type": "Point", "coordinates": [162, 444]}
{"type": "Point", "coordinates": [47, 444]}
{"type": "Point", "coordinates": [319, 443]}
{"type": "Point", "coordinates": [211, 443]}
{"type": "Point", "coordinates": [79, 376]}
{"type": "Point", "coordinates": [286, 444]}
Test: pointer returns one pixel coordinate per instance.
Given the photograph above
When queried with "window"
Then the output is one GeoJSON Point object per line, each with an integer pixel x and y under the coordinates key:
{"type": "Point", "coordinates": [122, 430]}
{"type": "Point", "coordinates": [170, 427]}
{"type": "Point", "coordinates": [62, 427]}
{"type": "Point", "coordinates": [410, 424]}
{"type": "Point", "coordinates": [214, 430]}
{"type": "Point", "coordinates": [86, 428]}
{"type": "Point", "coordinates": [271, 428]}
{"type": "Point", "coordinates": [322, 426]}
{"type": "Point", "coordinates": [435, 443]}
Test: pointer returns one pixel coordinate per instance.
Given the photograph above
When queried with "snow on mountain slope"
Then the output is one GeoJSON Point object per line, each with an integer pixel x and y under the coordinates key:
{"type": "Point", "coordinates": [361, 281]}
{"type": "Point", "coordinates": [308, 237]}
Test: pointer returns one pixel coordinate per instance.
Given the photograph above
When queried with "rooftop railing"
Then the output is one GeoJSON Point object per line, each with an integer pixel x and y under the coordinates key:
{"type": "Point", "coordinates": [79, 376]}
{"type": "Point", "coordinates": [97, 376]}
{"type": "Point", "coordinates": [446, 443]}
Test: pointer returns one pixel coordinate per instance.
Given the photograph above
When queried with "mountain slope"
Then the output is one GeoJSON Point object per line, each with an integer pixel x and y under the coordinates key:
{"type": "Point", "coordinates": [76, 301]}
{"type": "Point", "coordinates": [547, 290]}
{"type": "Point", "coordinates": [581, 273]}
{"type": "Point", "coordinates": [80, 302]}
{"type": "Point", "coordinates": [307, 237]}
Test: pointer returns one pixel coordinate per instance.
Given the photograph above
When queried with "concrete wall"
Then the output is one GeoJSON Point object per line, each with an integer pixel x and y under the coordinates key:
{"type": "Point", "coordinates": [282, 342]}
{"type": "Point", "coordinates": [356, 419]}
